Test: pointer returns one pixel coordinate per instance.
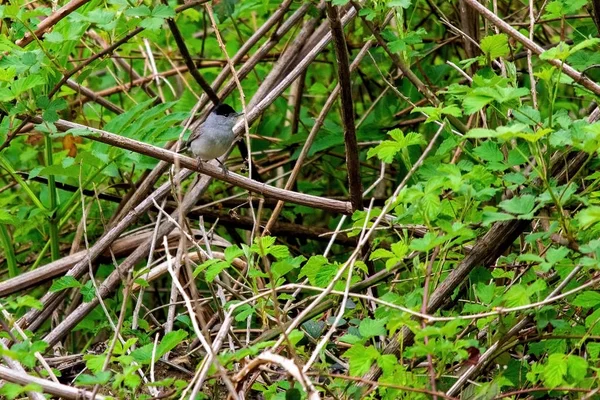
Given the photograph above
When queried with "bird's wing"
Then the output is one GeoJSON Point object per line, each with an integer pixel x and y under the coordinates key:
{"type": "Point", "coordinates": [195, 134]}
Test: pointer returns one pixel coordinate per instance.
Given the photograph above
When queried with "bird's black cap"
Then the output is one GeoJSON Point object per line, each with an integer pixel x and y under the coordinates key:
{"type": "Point", "coordinates": [224, 109]}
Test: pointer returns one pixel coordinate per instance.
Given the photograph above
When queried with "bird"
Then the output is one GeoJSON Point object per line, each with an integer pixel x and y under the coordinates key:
{"type": "Point", "coordinates": [213, 137]}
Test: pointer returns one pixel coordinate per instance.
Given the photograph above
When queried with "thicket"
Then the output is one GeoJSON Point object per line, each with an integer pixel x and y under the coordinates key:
{"type": "Point", "coordinates": [412, 209]}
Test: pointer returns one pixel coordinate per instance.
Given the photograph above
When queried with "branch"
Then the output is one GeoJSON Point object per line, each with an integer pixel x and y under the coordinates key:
{"type": "Point", "coordinates": [56, 389]}
{"type": "Point", "coordinates": [50, 21]}
{"type": "Point", "coordinates": [207, 169]}
{"type": "Point", "coordinates": [187, 58]}
{"type": "Point", "coordinates": [352, 152]}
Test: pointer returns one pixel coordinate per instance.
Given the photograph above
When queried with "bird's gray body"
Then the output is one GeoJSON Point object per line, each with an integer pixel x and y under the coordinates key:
{"type": "Point", "coordinates": [213, 137]}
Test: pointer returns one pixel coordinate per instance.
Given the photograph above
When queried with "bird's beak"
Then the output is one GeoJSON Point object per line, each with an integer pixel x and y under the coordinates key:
{"type": "Point", "coordinates": [239, 114]}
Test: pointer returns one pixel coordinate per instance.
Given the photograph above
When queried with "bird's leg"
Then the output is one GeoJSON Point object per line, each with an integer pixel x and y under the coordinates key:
{"type": "Point", "coordinates": [225, 170]}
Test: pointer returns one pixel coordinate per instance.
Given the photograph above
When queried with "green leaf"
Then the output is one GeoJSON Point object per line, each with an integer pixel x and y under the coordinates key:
{"type": "Point", "coordinates": [12, 390]}
{"type": "Point", "coordinates": [516, 296]}
{"type": "Point", "coordinates": [100, 378]}
{"type": "Point", "coordinates": [399, 3]}
{"type": "Point", "coordinates": [232, 252]}
{"type": "Point", "coordinates": [215, 269]}
{"type": "Point", "coordinates": [559, 52]}
{"type": "Point", "coordinates": [88, 292]}
{"type": "Point", "coordinates": [576, 367]}
{"type": "Point", "coordinates": [163, 11]}
{"type": "Point", "coordinates": [587, 299]}
{"type": "Point", "coordinates": [143, 355]}
{"type": "Point", "coordinates": [372, 327]}
{"type": "Point", "coordinates": [387, 149]}
{"type": "Point", "coordinates": [361, 358]}
{"type": "Point", "coordinates": [65, 282]}
{"type": "Point", "coordinates": [324, 276]}
{"type": "Point", "coordinates": [495, 46]}
{"type": "Point", "coordinates": [555, 370]}
{"type": "Point", "coordinates": [519, 205]}
{"type": "Point", "coordinates": [593, 350]}
{"type": "Point", "coordinates": [282, 267]}
{"type": "Point", "coordinates": [588, 216]}
{"type": "Point", "coordinates": [559, 8]}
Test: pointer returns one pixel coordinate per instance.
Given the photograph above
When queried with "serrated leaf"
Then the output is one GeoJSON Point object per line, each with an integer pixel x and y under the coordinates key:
{"type": "Point", "coordinates": [554, 370]}
{"type": "Point", "coordinates": [65, 282]}
{"type": "Point", "coordinates": [361, 358]}
{"type": "Point", "coordinates": [519, 205]}
{"type": "Point", "coordinates": [100, 378]}
{"type": "Point", "coordinates": [372, 327]}
{"type": "Point", "coordinates": [143, 355]}
{"type": "Point", "coordinates": [495, 46]}
{"type": "Point", "coordinates": [587, 299]}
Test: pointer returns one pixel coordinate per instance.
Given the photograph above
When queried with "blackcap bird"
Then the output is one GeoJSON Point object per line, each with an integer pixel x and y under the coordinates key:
{"type": "Point", "coordinates": [214, 136]}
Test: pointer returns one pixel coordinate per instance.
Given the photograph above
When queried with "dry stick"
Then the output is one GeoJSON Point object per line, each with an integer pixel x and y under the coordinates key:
{"type": "Point", "coordinates": [535, 48]}
{"type": "Point", "coordinates": [315, 129]}
{"type": "Point", "coordinates": [288, 365]}
{"type": "Point", "coordinates": [91, 95]}
{"type": "Point", "coordinates": [53, 388]}
{"type": "Point", "coordinates": [113, 280]}
{"type": "Point", "coordinates": [284, 61]}
{"type": "Point", "coordinates": [100, 246]}
{"type": "Point", "coordinates": [122, 246]}
{"type": "Point", "coordinates": [341, 53]}
{"type": "Point", "coordinates": [187, 58]}
{"type": "Point", "coordinates": [209, 350]}
{"type": "Point", "coordinates": [50, 21]}
{"type": "Point", "coordinates": [484, 252]}
{"type": "Point", "coordinates": [265, 48]}
{"type": "Point", "coordinates": [291, 76]}
{"type": "Point", "coordinates": [426, 288]}
{"type": "Point", "coordinates": [529, 57]}
{"type": "Point", "coordinates": [310, 139]}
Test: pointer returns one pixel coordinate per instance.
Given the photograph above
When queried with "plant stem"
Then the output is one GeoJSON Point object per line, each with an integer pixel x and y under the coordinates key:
{"type": "Point", "coordinates": [53, 218]}
{"type": "Point", "coordinates": [9, 251]}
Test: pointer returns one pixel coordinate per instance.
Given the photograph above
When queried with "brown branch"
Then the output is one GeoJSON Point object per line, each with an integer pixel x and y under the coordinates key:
{"type": "Point", "coordinates": [50, 21]}
{"type": "Point", "coordinates": [354, 181]}
{"type": "Point", "coordinates": [206, 168]}
{"type": "Point", "coordinates": [278, 229]}
{"type": "Point", "coordinates": [121, 247]}
{"type": "Point", "coordinates": [56, 389]}
{"type": "Point", "coordinates": [190, 63]}
{"type": "Point", "coordinates": [262, 51]}
{"type": "Point", "coordinates": [312, 135]}
{"type": "Point", "coordinates": [94, 96]}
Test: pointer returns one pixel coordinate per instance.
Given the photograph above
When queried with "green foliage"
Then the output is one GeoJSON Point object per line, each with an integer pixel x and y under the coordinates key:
{"type": "Point", "coordinates": [61, 189]}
